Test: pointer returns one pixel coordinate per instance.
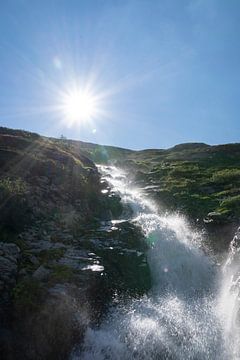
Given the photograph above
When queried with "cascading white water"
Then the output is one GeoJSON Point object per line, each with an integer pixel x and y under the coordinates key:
{"type": "Point", "coordinates": [182, 317]}
{"type": "Point", "coordinates": [229, 299]}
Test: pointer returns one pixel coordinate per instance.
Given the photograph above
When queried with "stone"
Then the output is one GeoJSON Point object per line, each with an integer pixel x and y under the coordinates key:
{"type": "Point", "coordinates": [22, 272]}
{"type": "Point", "coordinates": [34, 260]}
{"type": "Point", "coordinates": [41, 273]}
{"type": "Point", "coordinates": [9, 249]}
{"type": "Point", "coordinates": [8, 267]}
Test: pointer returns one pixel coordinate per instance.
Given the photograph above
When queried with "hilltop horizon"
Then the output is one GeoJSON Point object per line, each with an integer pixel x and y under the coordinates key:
{"type": "Point", "coordinates": [199, 143]}
{"type": "Point", "coordinates": [128, 73]}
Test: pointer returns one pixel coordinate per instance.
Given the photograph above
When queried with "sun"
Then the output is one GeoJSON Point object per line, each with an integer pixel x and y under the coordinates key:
{"type": "Point", "coordinates": [79, 106]}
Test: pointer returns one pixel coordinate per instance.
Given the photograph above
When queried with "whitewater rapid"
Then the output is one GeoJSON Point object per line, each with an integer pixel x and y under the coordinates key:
{"type": "Point", "coordinates": [191, 311]}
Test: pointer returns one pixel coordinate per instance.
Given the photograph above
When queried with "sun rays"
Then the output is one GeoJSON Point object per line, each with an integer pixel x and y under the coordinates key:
{"type": "Point", "coordinates": [79, 106]}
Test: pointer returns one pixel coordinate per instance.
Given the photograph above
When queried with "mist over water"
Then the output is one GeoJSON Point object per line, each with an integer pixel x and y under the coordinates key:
{"type": "Point", "coordinates": [192, 309]}
{"type": "Point", "coordinates": [229, 297]}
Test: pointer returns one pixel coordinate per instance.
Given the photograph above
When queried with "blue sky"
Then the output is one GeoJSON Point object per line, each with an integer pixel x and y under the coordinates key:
{"type": "Point", "coordinates": [168, 71]}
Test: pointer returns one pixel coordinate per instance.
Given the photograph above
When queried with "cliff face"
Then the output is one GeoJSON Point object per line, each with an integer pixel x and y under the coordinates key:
{"type": "Point", "coordinates": [56, 272]}
{"type": "Point", "coordinates": [47, 194]}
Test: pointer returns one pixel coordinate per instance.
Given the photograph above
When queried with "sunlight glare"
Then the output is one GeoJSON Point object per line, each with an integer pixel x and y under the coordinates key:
{"type": "Point", "coordinates": [80, 106]}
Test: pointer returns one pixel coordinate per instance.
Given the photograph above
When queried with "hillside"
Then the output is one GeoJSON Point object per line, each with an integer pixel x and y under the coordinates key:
{"type": "Point", "coordinates": [200, 180]}
{"type": "Point", "coordinates": [60, 253]}
{"type": "Point", "coordinates": [197, 179]}
{"type": "Point", "coordinates": [54, 246]}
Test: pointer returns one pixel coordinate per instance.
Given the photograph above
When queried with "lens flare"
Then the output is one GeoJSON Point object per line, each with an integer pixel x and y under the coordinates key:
{"type": "Point", "coordinates": [79, 106]}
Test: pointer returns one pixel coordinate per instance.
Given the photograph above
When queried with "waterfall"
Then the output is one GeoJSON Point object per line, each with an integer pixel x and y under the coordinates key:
{"type": "Point", "coordinates": [229, 299]}
{"type": "Point", "coordinates": [183, 316]}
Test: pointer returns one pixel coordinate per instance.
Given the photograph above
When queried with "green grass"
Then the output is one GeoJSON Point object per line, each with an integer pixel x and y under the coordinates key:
{"type": "Point", "coordinates": [226, 176]}
{"type": "Point", "coordinates": [10, 187]}
{"type": "Point", "coordinates": [231, 204]}
{"type": "Point", "coordinates": [193, 178]}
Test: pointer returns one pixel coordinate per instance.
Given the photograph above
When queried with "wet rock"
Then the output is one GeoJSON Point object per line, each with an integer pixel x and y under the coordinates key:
{"type": "Point", "coordinates": [22, 273]}
{"type": "Point", "coordinates": [76, 259]}
{"type": "Point", "coordinates": [65, 238]}
{"type": "Point", "coordinates": [37, 247]}
{"type": "Point", "coordinates": [216, 218]}
{"type": "Point", "coordinates": [33, 259]}
{"type": "Point", "coordinates": [9, 249]}
{"type": "Point", "coordinates": [8, 267]}
{"type": "Point", "coordinates": [41, 273]}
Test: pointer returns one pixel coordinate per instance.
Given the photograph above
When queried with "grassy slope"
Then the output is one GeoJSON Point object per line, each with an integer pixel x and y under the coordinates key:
{"type": "Point", "coordinates": [194, 178]}
{"type": "Point", "coordinates": [37, 176]}
{"type": "Point", "coordinates": [199, 180]}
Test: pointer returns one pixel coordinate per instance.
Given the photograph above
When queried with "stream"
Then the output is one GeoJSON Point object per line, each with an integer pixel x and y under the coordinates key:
{"type": "Point", "coordinates": [192, 309]}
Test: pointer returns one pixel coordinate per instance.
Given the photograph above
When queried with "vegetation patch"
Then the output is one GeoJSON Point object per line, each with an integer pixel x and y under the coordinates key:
{"type": "Point", "coordinates": [61, 273]}
{"type": "Point", "coordinates": [27, 295]}
{"type": "Point", "coordinates": [9, 187]}
{"type": "Point", "coordinates": [46, 256]}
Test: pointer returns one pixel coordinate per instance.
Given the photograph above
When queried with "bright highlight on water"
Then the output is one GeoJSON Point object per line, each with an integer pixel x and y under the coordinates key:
{"type": "Point", "coordinates": [192, 310]}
